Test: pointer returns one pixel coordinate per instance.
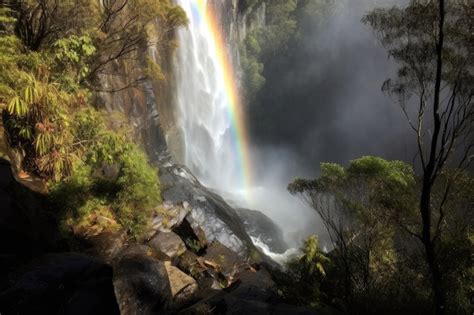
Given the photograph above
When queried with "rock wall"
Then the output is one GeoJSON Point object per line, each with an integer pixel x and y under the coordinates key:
{"type": "Point", "coordinates": [238, 19]}
{"type": "Point", "coordinates": [144, 102]}
{"type": "Point", "coordinates": [149, 105]}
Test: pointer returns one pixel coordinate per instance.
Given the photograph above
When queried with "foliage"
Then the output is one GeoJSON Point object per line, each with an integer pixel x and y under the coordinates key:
{"type": "Point", "coordinates": [359, 206]}
{"type": "Point", "coordinates": [261, 42]}
{"type": "Point", "coordinates": [98, 179]}
{"type": "Point", "coordinates": [432, 43]}
{"type": "Point", "coordinates": [139, 191]}
{"type": "Point", "coordinates": [265, 42]}
{"type": "Point", "coordinates": [72, 53]}
{"type": "Point", "coordinates": [37, 116]}
{"type": "Point", "coordinates": [304, 274]}
{"type": "Point", "coordinates": [112, 171]}
{"type": "Point", "coordinates": [370, 210]}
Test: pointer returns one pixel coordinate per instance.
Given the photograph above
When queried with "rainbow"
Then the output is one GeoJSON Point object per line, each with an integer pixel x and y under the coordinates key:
{"type": "Point", "coordinates": [235, 109]}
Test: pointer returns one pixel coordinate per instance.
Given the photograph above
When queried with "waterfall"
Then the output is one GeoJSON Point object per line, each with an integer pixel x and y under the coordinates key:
{"type": "Point", "coordinates": [208, 127]}
{"type": "Point", "coordinates": [213, 131]}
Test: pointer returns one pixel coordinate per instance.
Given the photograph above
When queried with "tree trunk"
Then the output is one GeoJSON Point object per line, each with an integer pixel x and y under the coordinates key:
{"type": "Point", "coordinates": [430, 252]}
{"type": "Point", "coordinates": [429, 177]}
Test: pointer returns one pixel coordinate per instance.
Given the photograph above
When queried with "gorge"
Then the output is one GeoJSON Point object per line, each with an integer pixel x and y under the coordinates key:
{"type": "Point", "coordinates": [236, 157]}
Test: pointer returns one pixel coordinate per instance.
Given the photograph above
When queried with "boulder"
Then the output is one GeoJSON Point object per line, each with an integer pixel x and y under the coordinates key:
{"type": "Point", "coordinates": [140, 281]}
{"type": "Point", "coordinates": [183, 287]}
{"type": "Point", "coordinates": [65, 283]}
{"type": "Point", "coordinates": [208, 211]}
{"type": "Point", "coordinates": [225, 261]}
{"type": "Point", "coordinates": [193, 236]}
{"type": "Point", "coordinates": [258, 225]}
{"type": "Point", "coordinates": [107, 245]}
{"type": "Point", "coordinates": [167, 217]}
{"type": "Point", "coordinates": [254, 293]}
{"type": "Point", "coordinates": [26, 230]}
{"type": "Point", "coordinates": [168, 243]}
{"type": "Point", "coordinates": [189, 264]}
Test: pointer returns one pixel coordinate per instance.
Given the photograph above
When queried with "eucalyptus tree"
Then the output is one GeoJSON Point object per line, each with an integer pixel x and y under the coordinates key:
{"type": "Point", "coordinates": [432, 42]}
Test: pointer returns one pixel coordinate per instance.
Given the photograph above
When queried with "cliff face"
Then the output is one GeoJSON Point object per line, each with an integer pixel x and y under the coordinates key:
{"type": "Point", "coordinates": [148, 104]}
{"type": "Point", "coordinates": [145, 101]}
{"type": "Point", "coordinates": [237, 20]}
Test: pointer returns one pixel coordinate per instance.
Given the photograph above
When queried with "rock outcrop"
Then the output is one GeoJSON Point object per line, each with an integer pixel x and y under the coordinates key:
{"type": "Point", "coordinates": [258, 225]}
{"type": "Point", "coordinates": [65, 283]}
{"type": "Point", "coordinates": [140, 281]}
{"type": "Point", "coordinates": [168, 243]}
{"type": "Point", "coordinates": [207, 210]}
{"type": "Point", "coordinates": [183, 287]}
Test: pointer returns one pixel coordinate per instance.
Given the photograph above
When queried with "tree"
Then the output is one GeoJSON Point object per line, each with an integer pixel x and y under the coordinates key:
{"type": "Point", "coordinates": [42, 22]}
{"type": "Point", "coordinates": [124, 30]}
{"type": "Point", "coordinates": [119, 29]}
{"type": "Point", "coordinates": [301, 282]}
{"type": "Point", "coordinates": [432, 41]}
{"type": "Point", "coordinates": [359, 206]}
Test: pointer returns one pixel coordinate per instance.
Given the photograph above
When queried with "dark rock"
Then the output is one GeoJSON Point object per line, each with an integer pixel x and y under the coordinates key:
{"type": "Point", "coordinates": [194, 238]}
{"type": "Point", "coordinates": [226, 260]}
{"type": "Point", "coordinates": [188, 263]}
{"type": "Point", "coordinates": [168, 243]}
{"type": "Point", "coordinates": [107, 245]}
{"type": "Point", "coordinates": [26, 230]}
{"type": "Point", "coordinates": [141, 281]}
{"type": "Point", "coordinates": [167, 217]}
{"type": "Point", "coordinates": [254, 293]}
{"type": "Point", "coordinates": [258, 225]}
{"type": "Point", "coordinates": [210, 212]}
{"type": "Point", "coordinates": [66, 283]}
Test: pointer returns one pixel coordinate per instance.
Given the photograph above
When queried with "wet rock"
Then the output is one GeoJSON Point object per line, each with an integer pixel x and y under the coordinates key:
{"type": "Point", "coordinates": [189, 264]}
{"type": "Point", "coordinates": [140, 281]}
{"type": "Point", "coordinates": [193, 236]}
{"type": "Point", "coordinates": [168, 243]}
{"type": "Point", "coordinates": [183, 287]}
{"type": "Point", "coordinates": [167, 217]}
{"type": "Point", "coordinates": [65, 283]}
{"type": "Point", "coordinates": [210, 212]}
{"type": "Point", "coordinates": [226, 261]}
{"type": "Point", "coordinates": [209, 284]}
{"type": "Point", "coordinates": [258, 225]}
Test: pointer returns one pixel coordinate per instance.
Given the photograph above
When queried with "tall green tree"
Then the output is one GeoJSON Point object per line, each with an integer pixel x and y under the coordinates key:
{"type": "Point", "coordinates": [432, 41]}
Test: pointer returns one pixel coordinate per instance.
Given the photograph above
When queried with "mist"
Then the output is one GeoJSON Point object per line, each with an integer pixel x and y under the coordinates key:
{"type": "Point", "coordinates": [322, 102]}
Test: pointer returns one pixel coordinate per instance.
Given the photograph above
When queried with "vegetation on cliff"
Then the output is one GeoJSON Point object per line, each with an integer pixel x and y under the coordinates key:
{"type": "Point", "coordinates": [283, 19]}
{"type": "Point", "coordinates": [52, 56]}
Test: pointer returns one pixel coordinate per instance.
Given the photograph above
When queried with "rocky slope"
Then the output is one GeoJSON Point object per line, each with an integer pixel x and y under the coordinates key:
{"type": "Point", "coordinates": [186, 265]}
{"type": "Point", "coordinates": [197, 257]}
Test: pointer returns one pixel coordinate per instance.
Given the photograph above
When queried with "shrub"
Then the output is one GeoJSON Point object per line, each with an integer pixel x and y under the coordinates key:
{"type": "Point", "coordinates": [301, 282]}
{"type": "Point", "coordinates": [130, 192]}
{"type": "Point", "coordinates": [138, 190]}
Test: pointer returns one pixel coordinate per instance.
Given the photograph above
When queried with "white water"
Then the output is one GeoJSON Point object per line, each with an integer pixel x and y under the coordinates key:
{"type": "Point", "coordinates": [209, 144]}
{"type": "Point", "coordinates": [281, 259]}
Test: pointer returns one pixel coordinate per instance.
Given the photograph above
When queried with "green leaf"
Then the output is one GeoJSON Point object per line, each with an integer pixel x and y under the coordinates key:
{"type": "Point", "coordinates": [17, 107]}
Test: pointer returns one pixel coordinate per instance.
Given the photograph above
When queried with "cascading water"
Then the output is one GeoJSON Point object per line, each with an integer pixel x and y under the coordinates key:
{"type": "Point", "coordinates": [210, 136]}
{"type": "Point", "coordinates": [213, 127]}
